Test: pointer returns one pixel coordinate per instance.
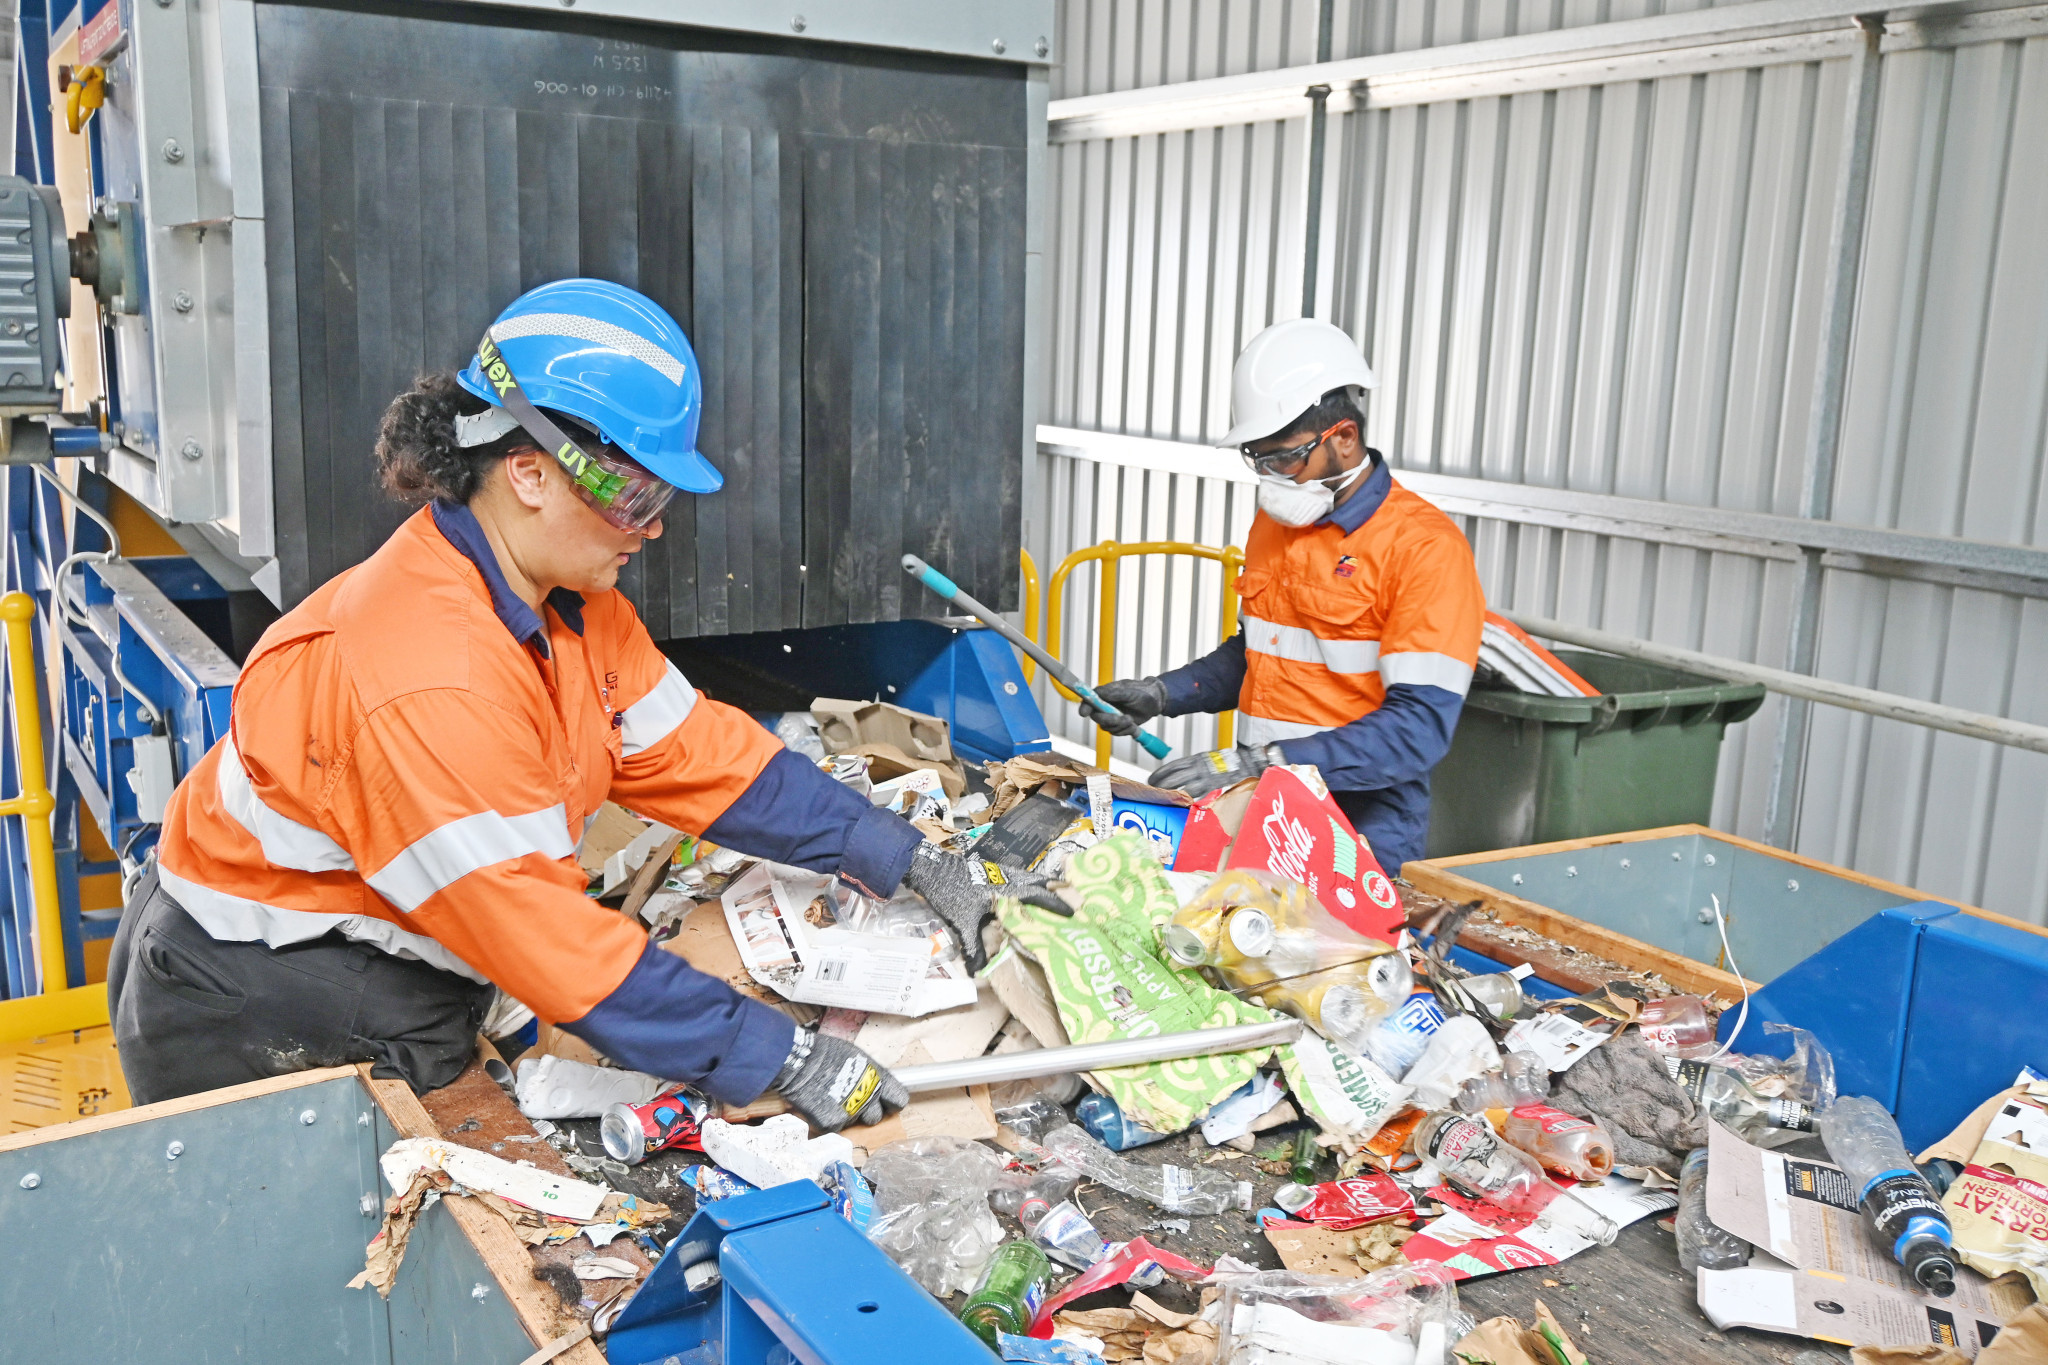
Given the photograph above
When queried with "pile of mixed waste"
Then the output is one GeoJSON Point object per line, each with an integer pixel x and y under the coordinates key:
{"type": "Point", "coordinates": [1437, 1119]}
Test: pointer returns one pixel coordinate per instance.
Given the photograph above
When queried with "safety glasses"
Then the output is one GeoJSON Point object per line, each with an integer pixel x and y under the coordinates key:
{"type": "Point", "coordinates": [1290, 460]}
{"type": "Point", "coordinates": [624, 494]}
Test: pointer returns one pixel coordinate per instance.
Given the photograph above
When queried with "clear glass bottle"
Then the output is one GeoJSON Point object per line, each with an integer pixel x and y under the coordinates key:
{"type": "Point", "coordinates": [1731, 1102]}
{"type": "Point", "coordinates": [1475, 1160]}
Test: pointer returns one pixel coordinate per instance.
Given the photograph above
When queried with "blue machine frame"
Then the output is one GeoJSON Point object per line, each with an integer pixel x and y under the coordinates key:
{"type": "Point", "coordinates": [793, 1281]}
{"type": "Point", "coordinates": [124, 646]}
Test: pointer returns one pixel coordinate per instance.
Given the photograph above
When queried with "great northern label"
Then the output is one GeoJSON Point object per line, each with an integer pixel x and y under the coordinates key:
{"type": "Point", "coordinates": [1461, 1140]}
{"type": "Point", "coordinates": [1789, 1114]}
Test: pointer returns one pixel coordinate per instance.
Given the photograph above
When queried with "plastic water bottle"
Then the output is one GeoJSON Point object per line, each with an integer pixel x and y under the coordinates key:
{"type": "Point", "coordinates": [1899, 1206]}
{"type": "Point", "coordinates": [1702, 1244]}
{"type": "Point", "coordinates": [1102, 1116]}
{"type": "Point", "coordinates": [1066, 1235]}
{"type": "Point", "coordinates": [1028, 1196]}
{"type": "Point", "coordinates": [1011, 1288]}
{"type": "Point", "coordinates": [1677, 1026]}
{"type": "Point", "coordinates": [1177, 1189]}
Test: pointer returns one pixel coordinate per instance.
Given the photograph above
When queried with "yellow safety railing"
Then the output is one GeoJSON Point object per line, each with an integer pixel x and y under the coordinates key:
{"type": "Point", "coordinates": [61, 1007]}
{"type": "Point", "coordinates": [1028, 567]}
{"type": "Point", "coordinates": [1106, 555]}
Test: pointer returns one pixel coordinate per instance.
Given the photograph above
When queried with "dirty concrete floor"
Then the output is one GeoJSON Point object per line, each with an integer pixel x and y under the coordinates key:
{"type": "Point", "coordinates": [1625, 1303]}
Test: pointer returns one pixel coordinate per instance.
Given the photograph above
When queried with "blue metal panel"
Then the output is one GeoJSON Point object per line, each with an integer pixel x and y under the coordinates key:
{"type": "Point", "coordinates": [796, 1282]}
{"type": "Point", "coordinates": [33, 157]}
{"type": "Point", "coordinates": [1980, 994]}
{"type": "Point", "coordinates": [1853, 996]}
{"type": "Point", "coordinates": [977, 687]}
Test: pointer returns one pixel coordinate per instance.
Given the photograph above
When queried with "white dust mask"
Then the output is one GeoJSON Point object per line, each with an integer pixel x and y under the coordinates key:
{"type": "Point", "coordinates": [1304, 504]}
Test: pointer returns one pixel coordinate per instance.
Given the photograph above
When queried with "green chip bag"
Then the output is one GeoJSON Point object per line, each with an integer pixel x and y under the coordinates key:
{"type": "Point", "coordinates": [1110, 981]}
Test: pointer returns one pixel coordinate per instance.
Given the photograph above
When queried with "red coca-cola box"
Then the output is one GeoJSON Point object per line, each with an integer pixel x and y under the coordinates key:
{"type": "Point", "coordinates": [1292, 827]}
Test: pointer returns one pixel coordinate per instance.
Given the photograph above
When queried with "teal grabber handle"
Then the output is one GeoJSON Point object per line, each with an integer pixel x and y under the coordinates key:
{"type": "Point", "coordinates": [948, 589]}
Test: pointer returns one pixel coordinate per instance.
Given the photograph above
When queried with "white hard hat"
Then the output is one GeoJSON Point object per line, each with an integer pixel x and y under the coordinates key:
{"type": "Point", "coordinates": [1285, 371]}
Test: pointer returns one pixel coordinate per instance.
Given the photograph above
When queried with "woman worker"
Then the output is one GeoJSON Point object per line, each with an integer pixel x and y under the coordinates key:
{"type": "Point", "coordinates": [386, 832]}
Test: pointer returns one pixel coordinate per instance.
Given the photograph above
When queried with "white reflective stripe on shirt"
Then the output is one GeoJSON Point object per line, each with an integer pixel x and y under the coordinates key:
{"type": "Point", "coordinates": [651, 719]}
{"type": "Point", "coordinates": [1303, 646]}
{"type": "Point", "coordinates": [1258, 731]}
{"type": "Point", "coordinates": [286, 842]}
{"type": "Point", "coordinates": [234, 919]}
{"type": "Point", "coordinates": [438, 860]}
{"type": "Point", "coordinates": [1426, 670]}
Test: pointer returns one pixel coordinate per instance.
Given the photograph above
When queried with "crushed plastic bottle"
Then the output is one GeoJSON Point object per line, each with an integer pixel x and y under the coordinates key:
{"type": "Point", "coordinates": [1561, 1142]}
{"type": "Point", "coordinates": [1404, 1035]}
{"type": "Point", "coordinates": [1173, 1188]}
{"type": "Point", "coordinates": [1702, 1244]}
{"type": "Point", "coordinates": [1900, 1208]}
{"type": "Point", "coordinates": [1113, 1128]}
{"type": "Point", "coordinates": [1458, 1051]}
{"type": "Point", "coordinates": [1475, 1160]}
{"type": "Point", "coordinates": [1528, 1079]}
{"type": "Point", "coordinates": [1066, 1235]}
{"type": "Point", "coordinates": [1677, 1026]}
{"type": "Point", "coordinates": [931, 1209]}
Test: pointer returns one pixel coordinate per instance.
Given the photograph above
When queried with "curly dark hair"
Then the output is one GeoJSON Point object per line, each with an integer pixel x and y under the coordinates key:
{"type": "Point", "coordinates": [417, 458]}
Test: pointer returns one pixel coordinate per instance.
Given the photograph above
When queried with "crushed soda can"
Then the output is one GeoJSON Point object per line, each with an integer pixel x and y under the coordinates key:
{"type": "Point", "coordinates": [1345, 1204]}
{"type": "Point", "coordinates": [852, 1197]}
{"type": "Point", "coordinates": [713, 1183]}
{"type": "Point", "coordinates": [634, 1132]}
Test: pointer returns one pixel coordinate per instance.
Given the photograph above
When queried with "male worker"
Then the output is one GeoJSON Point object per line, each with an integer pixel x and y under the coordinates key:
{"type": "Point", "coordinates": [386, 831]}
{"type": "Point", "coordinates": [1361, 606]}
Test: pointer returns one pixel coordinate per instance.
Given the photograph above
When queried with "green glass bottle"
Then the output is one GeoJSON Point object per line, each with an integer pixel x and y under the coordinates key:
{"type": "Point", "coordinates": [1012, 1286]}
{"type": "Point", "coordinates": [1306, 1156]}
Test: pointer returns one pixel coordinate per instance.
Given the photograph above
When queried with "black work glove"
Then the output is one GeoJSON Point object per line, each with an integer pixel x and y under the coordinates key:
{"type": "Point", "coordinates": [1140, 699]}
{"type": "Point", "coordinates": [964, 890]}
{"type": "Point", "coordinates": [833, 1083]}
{"type": "Point", "coordinates": [1200, 774]}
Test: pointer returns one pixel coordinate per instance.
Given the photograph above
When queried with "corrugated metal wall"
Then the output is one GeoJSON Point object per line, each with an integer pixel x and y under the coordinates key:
{"type": "Point", "coordinates": [1611, 289]}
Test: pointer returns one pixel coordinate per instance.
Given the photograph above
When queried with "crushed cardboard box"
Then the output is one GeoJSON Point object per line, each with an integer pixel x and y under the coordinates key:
{"type": "Point", "coordinates": [895, 741]}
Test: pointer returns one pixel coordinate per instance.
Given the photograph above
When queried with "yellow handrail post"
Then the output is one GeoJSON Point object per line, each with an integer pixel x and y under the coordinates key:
{"type": "Point", "coordinates": [1233, 565]}
{"type": "Point", "coordinates": [1106, 555]}
{"type": "Point", "coordinates": [1027, 567]}
{"type": "Point", "coordinates": [34, 804]}
{"type": "Point", "coordinates": [1105, 637]}
{"type": "Point", "coordinates": [61, 1007]}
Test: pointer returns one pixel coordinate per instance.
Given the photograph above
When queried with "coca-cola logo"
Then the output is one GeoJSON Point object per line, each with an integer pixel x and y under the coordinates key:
{"type": "Point", "coordinates": [1380, 889]}
{"type": "Point", "coordinates": [1514, 1256]}
{"type": "Point", "coordinates": [1288, 844]}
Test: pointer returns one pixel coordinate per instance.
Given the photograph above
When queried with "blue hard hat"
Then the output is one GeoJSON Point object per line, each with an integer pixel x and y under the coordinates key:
{"type": "Point", "coordinates": [613, 359]}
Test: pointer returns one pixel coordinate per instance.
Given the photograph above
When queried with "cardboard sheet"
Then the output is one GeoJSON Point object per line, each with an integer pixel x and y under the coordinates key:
{"type": "Point", "coordinates": [1817, 1271]}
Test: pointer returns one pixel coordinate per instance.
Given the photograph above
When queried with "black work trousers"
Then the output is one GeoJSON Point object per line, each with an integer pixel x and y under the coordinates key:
{"type": "Point", "coordinates": [193, 1013]}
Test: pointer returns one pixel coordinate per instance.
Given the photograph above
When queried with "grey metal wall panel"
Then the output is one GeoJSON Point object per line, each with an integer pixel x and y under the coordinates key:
{"type": "Point", "coordinates": [406, 205]}
{"type": "Point", "coordinates": [1616, 289]}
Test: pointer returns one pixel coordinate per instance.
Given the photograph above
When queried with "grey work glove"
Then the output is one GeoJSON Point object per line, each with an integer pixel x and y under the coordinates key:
{"type": "Point", "coordinates": [833, 1083]}
{"type": "Point", "coordinates": [1140, 699]}
{"type": "Point", "coordinates": [964, 891]}
{"type": "Point", "coordinates": [1200, 774]}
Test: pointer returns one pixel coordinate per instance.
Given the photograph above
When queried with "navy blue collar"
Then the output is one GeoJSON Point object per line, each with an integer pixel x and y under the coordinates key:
{"type": "Point", "coordinates": [1357, 509]}
{"type": "Point", "coordinates": [466, 534]}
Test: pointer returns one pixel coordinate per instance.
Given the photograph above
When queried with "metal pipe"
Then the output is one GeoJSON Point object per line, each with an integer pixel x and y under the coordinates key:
{"type": "Point", "coordinates": [1975, 724]}
{"type": "Point", "coordinates": [1318, 145]}
{"type": "Point", "coordinates": [1824, 424]}
{"type": "Point", "coordinates": [1059, 1061]}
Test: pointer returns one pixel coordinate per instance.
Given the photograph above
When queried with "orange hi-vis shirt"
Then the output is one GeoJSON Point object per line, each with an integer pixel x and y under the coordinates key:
{"type": "Point", "coordinates": [400, 768]}
{"type": "Point", "coordinates": [1332, 618]}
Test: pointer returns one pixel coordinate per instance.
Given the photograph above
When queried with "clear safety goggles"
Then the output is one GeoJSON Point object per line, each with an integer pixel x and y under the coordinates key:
{"type": "Point", "coordinates": [1284, 462]}
{"type": "Point", "coordinates": [616, 488]}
